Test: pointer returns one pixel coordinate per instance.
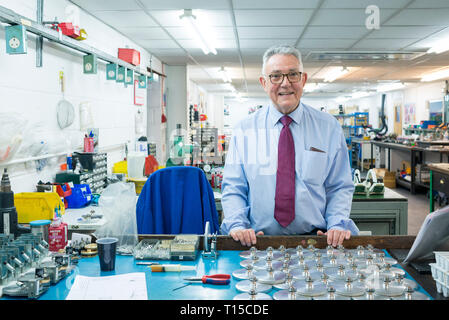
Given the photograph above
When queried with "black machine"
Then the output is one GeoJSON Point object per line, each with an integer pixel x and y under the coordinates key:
{"type": "Point", "coordinates": [384, 128]}
{"type": "Point", "coordinates": [8, 221]}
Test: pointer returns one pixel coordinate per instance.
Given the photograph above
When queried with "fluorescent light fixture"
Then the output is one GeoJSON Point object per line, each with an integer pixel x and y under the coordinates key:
{"type": "Point", "coordinates": [198, 31]}
{"type": "Point", "coordinates": [335, 73]}
{"type": "Point", "coordinates": [440, 46]}
{"type": "Point", "coordinates": [390, 86]}
{"type": "Point", "coordinates": [312, 86]}
{"type": "Point", "coordinates": [436, 75]}
{"type": "Point", "coordinates": [360, 94]}
{"type": "Point", "coordinates": [224, 75]}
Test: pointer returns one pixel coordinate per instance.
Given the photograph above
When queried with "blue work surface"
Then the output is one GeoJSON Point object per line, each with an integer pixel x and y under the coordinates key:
{"type": "Point", "coordinates": [160, 285]}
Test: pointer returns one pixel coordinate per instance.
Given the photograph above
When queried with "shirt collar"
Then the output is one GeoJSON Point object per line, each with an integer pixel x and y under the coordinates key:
{"type": "Point", "coordinates": [275, 116]}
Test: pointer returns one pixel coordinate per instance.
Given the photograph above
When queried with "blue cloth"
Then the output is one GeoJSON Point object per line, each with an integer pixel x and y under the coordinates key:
{"type": "Point", "coordinates": [176, 200]}
{"type": "Point", "coordinates": [323, 182]}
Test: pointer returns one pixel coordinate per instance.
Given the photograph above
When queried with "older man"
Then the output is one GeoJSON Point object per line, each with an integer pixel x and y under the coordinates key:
{"type": "Point", "coordinates": [287, 169]}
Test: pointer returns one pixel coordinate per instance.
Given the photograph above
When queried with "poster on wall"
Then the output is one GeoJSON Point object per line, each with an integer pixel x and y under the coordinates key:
{"type": "Point", "coordinates": [436, 111]}
{"type": "Point", "coordinates": [139, 94]}
{"type": "Point", "coordinates": [409, 114]}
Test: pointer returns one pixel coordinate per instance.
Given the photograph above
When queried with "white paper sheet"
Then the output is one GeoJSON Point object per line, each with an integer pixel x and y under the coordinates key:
{"type": "Point", "coordinates": [433, 233]}
{"type": "Point", "coordinates": [129, 286]}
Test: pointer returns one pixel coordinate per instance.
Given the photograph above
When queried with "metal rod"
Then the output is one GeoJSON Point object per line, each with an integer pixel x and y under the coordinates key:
{"type": "Point", "coordinates": [40, 39]}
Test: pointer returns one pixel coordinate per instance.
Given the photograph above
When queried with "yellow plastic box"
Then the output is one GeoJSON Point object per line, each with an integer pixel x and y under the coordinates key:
{"type": "Point", "coordinates": [120, 167]}
{"type": "Point", "coordinates": [37, 206]}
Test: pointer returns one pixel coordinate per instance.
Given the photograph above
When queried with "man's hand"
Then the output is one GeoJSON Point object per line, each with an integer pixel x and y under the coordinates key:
{"type": "Point", "coordinates": [335, 237]}
{"type": "Point", "coordinates": [247, 237]}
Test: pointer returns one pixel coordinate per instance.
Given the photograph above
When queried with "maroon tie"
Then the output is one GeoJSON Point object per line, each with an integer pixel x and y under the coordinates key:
{"type": "Point", "coordinates": [284, 207]}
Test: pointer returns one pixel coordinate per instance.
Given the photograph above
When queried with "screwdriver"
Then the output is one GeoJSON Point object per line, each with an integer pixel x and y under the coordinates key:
{"type": "Point", "coordinates": [171, 268]}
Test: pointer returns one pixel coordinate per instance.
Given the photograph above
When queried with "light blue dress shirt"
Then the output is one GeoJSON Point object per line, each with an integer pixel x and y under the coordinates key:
{"type": "Point", "coordinates": [324, 186]}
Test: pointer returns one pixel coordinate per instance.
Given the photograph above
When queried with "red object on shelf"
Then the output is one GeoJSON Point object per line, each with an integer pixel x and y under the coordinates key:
{"type": "Point", "coordinates": [131, 56]}
{"type": "Point", "coordinates": [68, 29]}
{"type": "Point", "coordinates": [203, 117]}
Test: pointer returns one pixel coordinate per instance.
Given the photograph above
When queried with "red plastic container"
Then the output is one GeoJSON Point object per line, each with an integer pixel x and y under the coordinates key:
{"type": "Point", "coordinates": [68, 29]}
{"type": "Point", "coordinates": [57, 237]}
{"type": "Point", "coordinates": [131, 56]}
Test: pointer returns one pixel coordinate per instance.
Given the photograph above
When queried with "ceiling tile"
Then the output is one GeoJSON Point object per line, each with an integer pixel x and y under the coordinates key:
{"type": "Point", "coordinates": [346, 17]}
{"type": "Point", "coordinates": [104, 5]}
{"type": "Point", "coordinates": [264, 43]}
{"type": "Point", "coordinates": [270, 4]}
{"type": "Point", "coordinates": [269, 32]}
{"type": "Point", "coordinates": [223, 43]}
{"type": "Point", "coordinates": [421, 17]}
{"type": "Point", "coordinates": [162, 44]}
{"type": "Point", "coordinates": [334, 32]}
{"type": "Point", "coordinates": [144, 33]}
{"type": "Point", "coordinates": [327, 44]}
{"type": "Point", "coordinates": [272, 17]}
{"type": "Point", "coordinates": [353, 4]}
{"type": "Point", "coordinates": [184, 4]}
{"type": "Point", "coordinates": [126, 18]}
{"type": "Point", "coordinates": [181, 33]}
{"type": "Point", "coordinates": [430, 4]}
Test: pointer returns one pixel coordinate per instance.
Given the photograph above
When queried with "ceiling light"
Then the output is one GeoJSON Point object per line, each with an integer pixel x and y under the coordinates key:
{"type": "Point", "coordinates": [440, 46]}
{"type": "Point", "coordinates": [224, 75]}
{"type": "Point", "coordinates": [312, 86]}
{"type": "Point", "coordinates": [198, 31]}
{"type": "Point", "coordinates": [390, 86]}
{"type": "Point", "coordinates": [335, 73]}
{"type": "Point", "coordinates": [436, 75]}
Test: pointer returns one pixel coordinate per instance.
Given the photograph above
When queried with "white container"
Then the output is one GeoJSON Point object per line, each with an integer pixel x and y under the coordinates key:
{"type": "Point", "coordinates": [442, 259]}
{"type": "Point", "coordinates": [441, 278]}
{"type": "Point", "coordinates": [135, 163]}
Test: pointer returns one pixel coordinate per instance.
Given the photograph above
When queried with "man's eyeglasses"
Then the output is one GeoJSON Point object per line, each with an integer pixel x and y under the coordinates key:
{"type": "Point", "coordinates": [277, 78]}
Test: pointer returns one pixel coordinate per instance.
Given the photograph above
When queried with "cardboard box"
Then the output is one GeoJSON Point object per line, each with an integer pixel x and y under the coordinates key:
{"type": "Point", "coordinates": [389, 179]}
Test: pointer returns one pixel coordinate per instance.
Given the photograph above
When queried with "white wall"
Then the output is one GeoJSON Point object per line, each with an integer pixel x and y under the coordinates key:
{"type": "Point", "coordinates": [33, 92]}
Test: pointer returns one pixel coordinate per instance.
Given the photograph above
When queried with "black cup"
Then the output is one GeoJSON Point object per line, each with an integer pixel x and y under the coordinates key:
{"type": "Point", "coordinates": [107, 248]}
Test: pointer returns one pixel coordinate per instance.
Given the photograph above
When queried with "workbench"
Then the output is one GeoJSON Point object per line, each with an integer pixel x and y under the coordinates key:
{"type": "Point", "coordinates": [160, 285]}
{"type": "Point", "coordinates": [439, 180]}
{"type": "Point", "coordinates": [416, 157]}
{"type": "Point", "coordinates": [385, 214]}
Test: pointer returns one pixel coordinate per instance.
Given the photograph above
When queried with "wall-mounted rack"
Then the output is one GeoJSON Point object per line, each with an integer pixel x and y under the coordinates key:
{"type": "Point", "coordinates": [12, 18]}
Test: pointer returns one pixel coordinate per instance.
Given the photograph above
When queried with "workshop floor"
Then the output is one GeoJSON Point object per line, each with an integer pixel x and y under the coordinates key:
{"type": "Point", "coordinates": [418, 208]}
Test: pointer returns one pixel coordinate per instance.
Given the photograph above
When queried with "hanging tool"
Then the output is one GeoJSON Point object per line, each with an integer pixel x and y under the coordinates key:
{"type": "Point", "coordinates": [215, 279]}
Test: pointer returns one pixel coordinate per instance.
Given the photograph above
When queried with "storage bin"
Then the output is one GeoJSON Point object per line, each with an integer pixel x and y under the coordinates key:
{"type": "Point", "coordinates": [442, 259]}
{"type": "Point", "coordinates": [32, 206]}
{"type": "Point", "coordinates": [120, 167]}
{"type": "Point", "coordinates": [81, 196]}
{"type": "Point", "coordinates": [441, 278]}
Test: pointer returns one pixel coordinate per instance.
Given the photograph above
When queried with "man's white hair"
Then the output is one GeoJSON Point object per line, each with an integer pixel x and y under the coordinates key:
{"type": "Point", "coordinates": [282, 49]}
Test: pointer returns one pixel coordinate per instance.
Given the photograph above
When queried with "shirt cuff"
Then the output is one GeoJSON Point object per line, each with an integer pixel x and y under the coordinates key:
{"type": "Point", "coordinates": [343, 224]}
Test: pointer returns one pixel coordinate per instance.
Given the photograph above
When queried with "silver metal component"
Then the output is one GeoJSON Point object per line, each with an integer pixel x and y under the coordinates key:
{"type": "Point", "coordinates": [331, 295]}
{"type": "Point", "coordinates": [310, 289]}
{"type": "Point", "coordinates": [289, 294]}
{"type": "Point", "coordinates": [252, 285]}
{"type": "Point", "coordinates": [349, 289]}
{"type": "Point", "coordinates": [243, 274]}
{"type": "Point", "coordinates": [270, 276]}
